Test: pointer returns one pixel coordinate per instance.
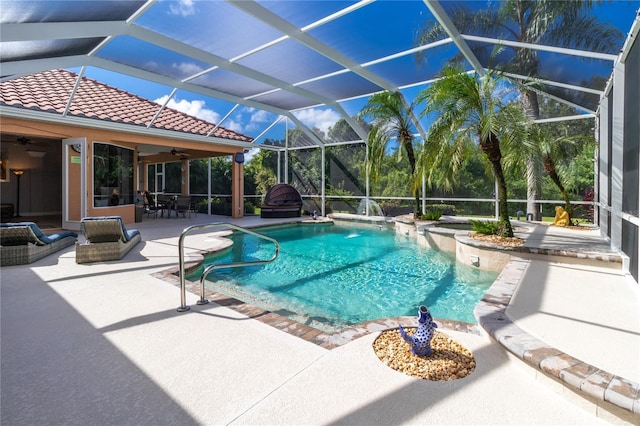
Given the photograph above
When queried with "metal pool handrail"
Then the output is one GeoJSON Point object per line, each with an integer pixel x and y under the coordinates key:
{"type": "Point", "coordinates": [183, 289]}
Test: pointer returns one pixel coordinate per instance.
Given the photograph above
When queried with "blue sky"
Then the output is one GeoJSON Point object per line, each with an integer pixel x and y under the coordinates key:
{"type": "Point", "coordinates": [251, 121]}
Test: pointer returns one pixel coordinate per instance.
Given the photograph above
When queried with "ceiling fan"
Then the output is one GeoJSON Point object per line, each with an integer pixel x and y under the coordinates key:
{"type": "Point", "coordinates": [24, 141]}
{"type": "Point", "coordinates": [180, 154]}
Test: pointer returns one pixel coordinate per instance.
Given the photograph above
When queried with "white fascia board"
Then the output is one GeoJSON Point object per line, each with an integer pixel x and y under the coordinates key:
{"type": "Point", "coordinates": [48, 117]}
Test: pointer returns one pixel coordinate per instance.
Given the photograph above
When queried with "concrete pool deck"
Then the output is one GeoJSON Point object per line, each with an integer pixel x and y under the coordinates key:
{"type": "Point", "coordinates": [103, 344]}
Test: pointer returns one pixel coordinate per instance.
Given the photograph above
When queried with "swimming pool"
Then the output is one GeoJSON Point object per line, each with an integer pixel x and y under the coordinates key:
{"type": "Point", "coordinates": [332, 276]}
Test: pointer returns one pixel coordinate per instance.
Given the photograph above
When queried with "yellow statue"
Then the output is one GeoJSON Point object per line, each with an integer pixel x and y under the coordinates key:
{"type": "Point", "coordinates": [562, 217]}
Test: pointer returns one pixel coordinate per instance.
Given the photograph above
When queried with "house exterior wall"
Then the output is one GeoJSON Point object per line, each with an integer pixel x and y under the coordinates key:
{"type": "Point", "coordinates": [52, 165]}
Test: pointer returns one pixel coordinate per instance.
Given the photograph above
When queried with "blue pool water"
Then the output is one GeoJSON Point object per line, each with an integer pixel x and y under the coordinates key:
{"type": "Point", "coordinates": [331, 276]}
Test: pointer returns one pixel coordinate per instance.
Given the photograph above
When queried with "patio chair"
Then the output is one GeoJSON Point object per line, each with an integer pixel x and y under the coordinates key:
{"type": "Point", "coordinates": [24, 242]}
{"type": "Point", "coordinates": [193, 208]}
{"type": "Point", "coordinates": [164, 202]}
{"type": "Point", "coordinates": [150, 205]}
{"type": "Point", "coordinates": [183, 205]}
{"type": "Point", "coordinates": [107, 239]}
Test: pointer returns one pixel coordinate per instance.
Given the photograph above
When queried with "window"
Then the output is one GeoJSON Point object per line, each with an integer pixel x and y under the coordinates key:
{"type": "Point", "coordinates": [153, 185]}
{"type": "Point", "coordinates": [173, 178]}
{"type": "Point", "coordinates": [112, 175]}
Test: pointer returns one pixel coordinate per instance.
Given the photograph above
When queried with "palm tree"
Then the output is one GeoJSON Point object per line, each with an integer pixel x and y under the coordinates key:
{"type": "Point", "coordinates": [557, 155]}
{"type": "Point", "coordinates": [550, 22]}
{"type": "Point", "coordinates": [470, 108]}
{"type": "Point", "coordinates": [392, 119]}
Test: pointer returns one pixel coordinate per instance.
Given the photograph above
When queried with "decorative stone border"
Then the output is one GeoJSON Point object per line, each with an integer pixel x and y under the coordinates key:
{"type": "Point", "coordinates": [617, 395]}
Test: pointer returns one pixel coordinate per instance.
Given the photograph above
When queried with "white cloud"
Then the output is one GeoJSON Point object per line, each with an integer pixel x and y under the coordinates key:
{"type": "Point", "coordinates": [187, 68]}
{"type": "Point", "coordinates": [195, 108]}
{"type": "Point", "coordinates": [322, 119]}
{"type": "Point", "coordinates": [182, 7]}
{"type": "Point", "coordinates": [257, 118]}
{"type": "Point", "coordinates": [236, 126]}
{"type": "Point", "coordinates": [250, 154]}
{"type": "Point", "coordinates": [260, 116]}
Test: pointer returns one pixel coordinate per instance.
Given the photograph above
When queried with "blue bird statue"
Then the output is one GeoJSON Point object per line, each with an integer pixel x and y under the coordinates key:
{"type": "Point", "coordinates": [421, 340]}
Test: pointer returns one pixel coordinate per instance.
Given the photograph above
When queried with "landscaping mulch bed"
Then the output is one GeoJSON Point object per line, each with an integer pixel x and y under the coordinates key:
{"type": "Point", "coordinates": [494, 239]}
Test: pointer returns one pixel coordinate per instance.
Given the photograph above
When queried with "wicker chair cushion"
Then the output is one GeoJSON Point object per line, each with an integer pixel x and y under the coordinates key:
{"type": "Point", "coordinates": [23, 233]}
{"type": "Point", "coordinates": [107, 229]}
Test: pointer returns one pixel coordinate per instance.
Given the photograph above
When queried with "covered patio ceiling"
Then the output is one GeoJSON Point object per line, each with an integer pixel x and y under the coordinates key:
{"type": "Point", "coordinates": [284, 57]}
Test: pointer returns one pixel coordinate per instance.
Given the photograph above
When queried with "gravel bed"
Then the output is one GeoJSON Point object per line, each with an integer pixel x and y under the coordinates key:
{"type": "Point", "coordinates": [449, 360]}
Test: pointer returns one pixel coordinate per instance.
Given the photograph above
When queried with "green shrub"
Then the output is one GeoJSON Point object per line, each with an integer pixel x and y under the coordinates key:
{"type": "Point", "coordinates": [485, 228]}
{"type": "Point", "coordinates": [446, 209]}
{"type": "Point", "coordinates": [249, 207]}
{"type": "Point", "coordinates": [431, 214]}
{"type": "Point", "coordinates": [220, 206]}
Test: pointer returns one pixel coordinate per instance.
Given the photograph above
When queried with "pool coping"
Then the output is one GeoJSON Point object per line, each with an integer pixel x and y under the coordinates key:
{"type": "Point", "coordinates": [615, 394]}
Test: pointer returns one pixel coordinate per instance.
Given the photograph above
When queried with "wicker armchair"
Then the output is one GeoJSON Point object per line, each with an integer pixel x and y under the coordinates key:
{"type": "Point", "coordinates": [24, 242]}
{"type": "Point", "coordinates": [107, 239]}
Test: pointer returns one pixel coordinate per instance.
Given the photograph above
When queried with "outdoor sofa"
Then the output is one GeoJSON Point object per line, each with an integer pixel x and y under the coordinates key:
{"type": "Point", "coordinates": [24, 242]}
{"type": "Point", "coordinates": [281, 200]}
{"type": "Point", "coordinates": [107, 238]}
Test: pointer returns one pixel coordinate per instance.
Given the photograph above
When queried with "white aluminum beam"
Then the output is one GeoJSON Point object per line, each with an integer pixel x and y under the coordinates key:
{"type": "Point", "coordinates": [555, 83]}
{"type": "Point", "coordinates": [261, 13]}
{"type": "Point", "coordinates": [60, 30]}
{"type": "Point", "coordinates": [201, 55]}
{"type": "Point", "coordinates": [567, 118]}
{"type": "Point", "coordinates": [444, 20]}
{"type": "Point", "coordinates": [219, 123]}
{"type": "Point", "coordinates": [541, 47]}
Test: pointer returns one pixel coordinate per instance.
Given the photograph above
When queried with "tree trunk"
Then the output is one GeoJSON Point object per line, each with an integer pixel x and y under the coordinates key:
{"type": "Point", "coordinates": [407, 143]}
{"type": "Point", "coordinates": [550, 168]}
{"type": "Point", "coordinates": [534, 173]}
{"type": "Point", "coordinates": [505, 229]}
{"type": "Point", "coordinates": [491, 148]}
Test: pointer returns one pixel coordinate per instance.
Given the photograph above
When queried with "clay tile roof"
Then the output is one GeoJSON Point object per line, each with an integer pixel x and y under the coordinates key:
{"type": "Point", "coordinates": [49, 91]}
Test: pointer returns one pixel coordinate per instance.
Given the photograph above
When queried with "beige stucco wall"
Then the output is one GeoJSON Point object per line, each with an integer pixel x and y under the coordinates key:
{"type": "Point", "coordinates": [18, 158]}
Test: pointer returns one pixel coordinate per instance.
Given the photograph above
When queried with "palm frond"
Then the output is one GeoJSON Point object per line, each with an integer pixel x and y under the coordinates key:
{"type": "Point", "coordinates": [376, 147]}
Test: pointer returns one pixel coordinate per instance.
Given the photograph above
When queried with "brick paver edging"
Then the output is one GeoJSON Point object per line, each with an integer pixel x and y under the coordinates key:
{"type": "Point", "coordinates": [584, 378]}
